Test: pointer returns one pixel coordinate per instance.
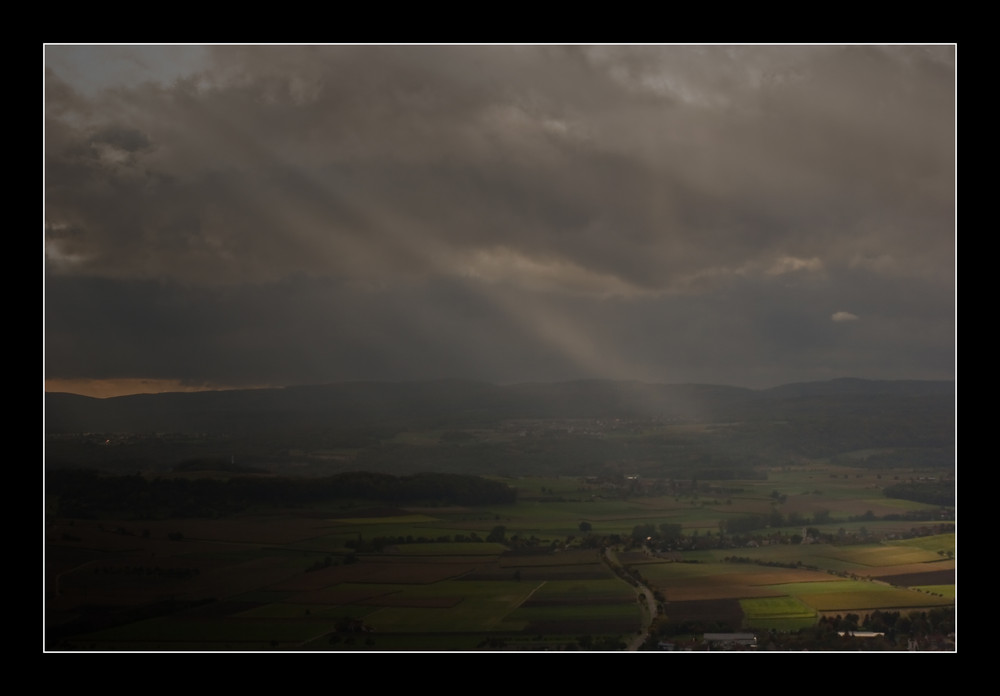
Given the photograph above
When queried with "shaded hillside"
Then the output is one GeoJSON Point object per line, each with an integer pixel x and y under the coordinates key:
{"type": "Point", "coordinates": [433, 404]}
{"type": "Point", "coordinates": [472, 426]}
{"type": "Point", "coordinates": [86, 494]}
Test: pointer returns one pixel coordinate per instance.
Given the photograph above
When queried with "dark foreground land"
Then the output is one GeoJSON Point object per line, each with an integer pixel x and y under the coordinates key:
{"type": "Point", "coordinates": [587, 516]}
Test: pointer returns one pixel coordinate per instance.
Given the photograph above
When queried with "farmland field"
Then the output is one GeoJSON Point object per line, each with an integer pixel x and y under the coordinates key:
{"type": "Point", "coordinates": [777, 613]}
{"type": "Point", "coordinates": [426, 578]}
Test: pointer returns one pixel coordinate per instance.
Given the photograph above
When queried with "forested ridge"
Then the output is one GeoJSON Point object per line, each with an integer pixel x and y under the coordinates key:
{"type": "Point", "coordinates": [88, 494]}
{"type": "Point", "coordinates": [572, 428]}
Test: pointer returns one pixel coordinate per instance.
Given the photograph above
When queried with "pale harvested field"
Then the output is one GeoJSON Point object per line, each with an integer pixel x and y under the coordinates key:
{"type": "Point", "coordinates": [859, 601]}
{"type": "Point", "coordinates": [733, 585]}
{"type": "Point", "coordinates": [908, 568]}
{"type": "Point", "coordinates": [880, 556]}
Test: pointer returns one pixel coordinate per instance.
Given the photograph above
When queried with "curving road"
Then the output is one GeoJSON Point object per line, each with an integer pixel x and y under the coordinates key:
{"type": "Point", "coordinates": [648, 607]}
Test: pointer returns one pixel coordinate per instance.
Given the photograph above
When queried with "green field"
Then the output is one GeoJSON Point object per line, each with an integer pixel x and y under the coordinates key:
{"type": "Point", "coordinates": [777, 613]}
{"type": "Point", "coordinates": [935, 543]}
{"type": "Point", "coordinates": [307, 581]}
{"type": "Point", "coordinates": [850, 595]}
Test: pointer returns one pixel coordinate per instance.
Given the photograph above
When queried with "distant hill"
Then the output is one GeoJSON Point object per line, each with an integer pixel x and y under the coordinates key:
{"type": "Point", "coordinates": [465, 403]}
{"type": "Point", "coordinates": [815, 419]}
{"type": "Point", "coordinates": [852, 386]}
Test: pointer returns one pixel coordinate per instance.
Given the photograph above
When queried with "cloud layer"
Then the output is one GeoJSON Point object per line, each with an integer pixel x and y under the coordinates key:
{"type": "Point", "coordinates": [289, 214]}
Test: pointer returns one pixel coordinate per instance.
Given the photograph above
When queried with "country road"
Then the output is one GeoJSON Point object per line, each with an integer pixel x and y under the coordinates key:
{"type": "Point", "coordinates": [644, 595]}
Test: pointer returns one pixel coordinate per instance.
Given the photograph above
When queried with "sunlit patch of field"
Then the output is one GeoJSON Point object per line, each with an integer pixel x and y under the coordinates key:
{"type": "Point", "coordinates": [910, 569]}
{"type": "Point", "coordinates": [880, 555]}
{"type": "Point", "coordinates": [935, 543]}
{"type": "Point", "coordinates": [947, 591]}
{"type": "Point", "coordinates": [851, 595]}
{"type": "Point", "coordinates": [779, 613]}
{"type": "Point", "coordinates": [702, 581]}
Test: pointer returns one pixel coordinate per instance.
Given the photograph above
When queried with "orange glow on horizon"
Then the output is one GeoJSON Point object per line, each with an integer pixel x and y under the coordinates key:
{"type": "Point", "coordinates": [105, 388]}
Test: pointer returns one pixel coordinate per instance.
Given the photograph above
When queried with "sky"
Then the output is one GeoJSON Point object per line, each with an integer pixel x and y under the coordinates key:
{"type": "Point", "coordinates": [244, 216]}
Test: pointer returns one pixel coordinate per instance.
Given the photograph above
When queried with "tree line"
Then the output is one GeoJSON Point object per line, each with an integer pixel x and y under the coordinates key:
{"type": "Point", "coordinates": [86, 494]}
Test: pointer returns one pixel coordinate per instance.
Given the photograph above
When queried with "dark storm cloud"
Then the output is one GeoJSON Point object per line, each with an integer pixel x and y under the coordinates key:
{"type": "Point", "coordinates": [313, 213]}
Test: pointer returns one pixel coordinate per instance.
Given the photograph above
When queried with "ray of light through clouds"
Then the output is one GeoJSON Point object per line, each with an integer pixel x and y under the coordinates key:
{"type": "Point", "coordinates": [225, 216]}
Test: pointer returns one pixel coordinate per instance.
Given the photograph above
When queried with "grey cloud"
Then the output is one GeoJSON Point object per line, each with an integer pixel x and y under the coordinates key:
{"type": "Point", "coordinates": [125, 139]}
{"type": "Point", "coordinates": [554, 189]}
{"type": "Point", "coordinates": [408, 134]}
